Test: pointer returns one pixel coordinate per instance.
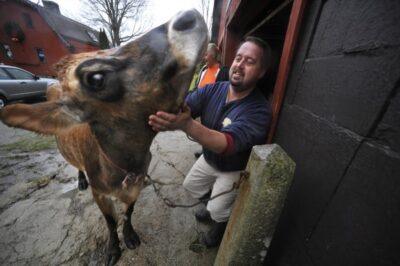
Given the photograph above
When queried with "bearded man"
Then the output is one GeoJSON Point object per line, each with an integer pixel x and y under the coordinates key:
{"type": "Point", "coordinates": [234, 117]}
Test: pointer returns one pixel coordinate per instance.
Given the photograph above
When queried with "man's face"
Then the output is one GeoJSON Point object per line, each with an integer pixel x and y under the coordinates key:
{"type": "Point", "coordinates": [209, 56]}
{"type": "Point", "coordinates": [246, 68]}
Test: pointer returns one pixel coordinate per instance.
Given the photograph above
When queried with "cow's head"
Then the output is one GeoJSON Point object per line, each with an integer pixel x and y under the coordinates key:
{"type": "Point", "coordinates": [123, 84]}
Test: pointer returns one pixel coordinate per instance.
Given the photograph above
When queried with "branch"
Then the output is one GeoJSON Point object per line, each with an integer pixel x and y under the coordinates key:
{"type": "Point", "coordinates": [114, 15]}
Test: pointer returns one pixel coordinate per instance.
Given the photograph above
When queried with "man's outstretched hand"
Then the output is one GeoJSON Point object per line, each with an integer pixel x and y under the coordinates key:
{"type": "Point", "coordinates": [163, 121]}
{"type": "Point", "coordinates": [208, 138]}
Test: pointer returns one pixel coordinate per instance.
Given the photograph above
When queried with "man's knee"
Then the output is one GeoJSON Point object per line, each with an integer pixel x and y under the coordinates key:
{"type": "Point", "coordinates": [190, 186]}
{"type": "Point", "coordinates": [219, 212]}
{"type": "Point", "coordinates": [187, 184]}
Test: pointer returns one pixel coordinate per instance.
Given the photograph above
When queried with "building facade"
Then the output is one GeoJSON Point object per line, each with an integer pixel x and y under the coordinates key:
{"type": "Point", "coordinates": [339, 121]}
{"type": "Point", "coordinates": [36, 37]}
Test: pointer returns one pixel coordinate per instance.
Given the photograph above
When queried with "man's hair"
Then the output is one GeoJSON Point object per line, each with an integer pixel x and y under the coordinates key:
{"type": "Point", "coordinates": [267, 52]}
{"type": "Point", "coordinates": [213, 47]}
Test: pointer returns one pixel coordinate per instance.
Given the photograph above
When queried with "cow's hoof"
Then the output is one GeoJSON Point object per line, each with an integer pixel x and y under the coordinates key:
{"type": "Point", "coordinates": [82, 184]}
{"type": "Point", "coordinates": [131, 239]}
{"type": "Point", "coordinates": [113, 256]}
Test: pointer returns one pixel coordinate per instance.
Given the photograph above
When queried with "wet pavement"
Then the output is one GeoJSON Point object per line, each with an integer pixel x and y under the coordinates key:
{"type": "Point", "coordinates": [45, 220]}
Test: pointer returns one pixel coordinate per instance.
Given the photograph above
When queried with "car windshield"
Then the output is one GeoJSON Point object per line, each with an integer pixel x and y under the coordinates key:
{"type": "Point", "coordinates": [19, 74]}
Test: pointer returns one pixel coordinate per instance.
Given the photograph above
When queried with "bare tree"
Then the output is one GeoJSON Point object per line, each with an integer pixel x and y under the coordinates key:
{"type": "Point", "coordinates": [205, 9]}
{"type": "Point", "coordinates": [121, 18]}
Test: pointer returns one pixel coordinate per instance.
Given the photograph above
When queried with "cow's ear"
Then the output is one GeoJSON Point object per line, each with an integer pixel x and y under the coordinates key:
{"type": "Point", "coordinates": [46, 118]}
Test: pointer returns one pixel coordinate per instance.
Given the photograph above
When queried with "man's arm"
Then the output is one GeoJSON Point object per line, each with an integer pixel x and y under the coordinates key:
{"type": "Point", "coordinates": [210, 139]}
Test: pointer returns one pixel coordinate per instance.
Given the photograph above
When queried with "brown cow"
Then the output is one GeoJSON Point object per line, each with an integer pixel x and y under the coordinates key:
{"type": "Point", "coordinates": [99, 113]}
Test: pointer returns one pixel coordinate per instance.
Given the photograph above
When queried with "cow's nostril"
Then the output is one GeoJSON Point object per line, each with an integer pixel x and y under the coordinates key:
{"type": "Point", "coordinates": [186, 21]}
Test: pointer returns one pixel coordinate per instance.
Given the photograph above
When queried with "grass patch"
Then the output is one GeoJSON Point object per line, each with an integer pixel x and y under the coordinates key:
{"type": "Point", "coordinates": [40, 182]}
{"type": "Point", "coordinates": [38, 143]}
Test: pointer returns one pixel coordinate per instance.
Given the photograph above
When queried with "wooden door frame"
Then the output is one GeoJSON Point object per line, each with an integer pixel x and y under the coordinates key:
{"type": "Point", "coordinates": [292, 32]}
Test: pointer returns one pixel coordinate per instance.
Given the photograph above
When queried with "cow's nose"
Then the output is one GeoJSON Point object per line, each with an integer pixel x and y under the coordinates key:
{"type": "Point", "coordinates": [185, 21]}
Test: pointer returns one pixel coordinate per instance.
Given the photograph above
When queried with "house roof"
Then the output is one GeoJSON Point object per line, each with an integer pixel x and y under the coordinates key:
{"type": "Point", "coordinates": [64, 27]}
{"type": "Point", "coordinates": [69, 28]}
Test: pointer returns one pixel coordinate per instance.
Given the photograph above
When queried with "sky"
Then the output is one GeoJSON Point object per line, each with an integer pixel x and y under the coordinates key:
{"type": "Point", "coordinates": [158, 11]}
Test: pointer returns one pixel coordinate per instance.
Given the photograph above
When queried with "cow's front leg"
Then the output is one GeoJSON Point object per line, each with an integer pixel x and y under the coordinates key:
{"type": "Point", "coordinates": [107, 208]}
{"type": "Point", "coordinates": [131, 238]}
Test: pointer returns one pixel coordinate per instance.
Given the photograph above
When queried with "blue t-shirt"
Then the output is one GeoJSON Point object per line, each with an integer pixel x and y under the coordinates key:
{"type": "Point", "coordinates": [246, 120]}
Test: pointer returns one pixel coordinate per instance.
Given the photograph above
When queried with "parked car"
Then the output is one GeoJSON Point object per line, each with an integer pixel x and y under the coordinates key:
{"type": "Point", "coordinates": [19, 84]}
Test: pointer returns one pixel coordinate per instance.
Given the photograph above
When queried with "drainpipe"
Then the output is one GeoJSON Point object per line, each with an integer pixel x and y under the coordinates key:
{"type": "Point", "coordinates": [292, 33]}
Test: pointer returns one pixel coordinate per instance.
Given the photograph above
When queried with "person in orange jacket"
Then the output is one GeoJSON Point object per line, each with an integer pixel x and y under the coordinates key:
{"type": "Point", "coordinates": [212, 71]}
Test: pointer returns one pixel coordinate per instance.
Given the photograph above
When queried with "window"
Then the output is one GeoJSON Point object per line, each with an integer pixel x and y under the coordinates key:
{"type": "Point", "coordinates": [6, 51]}
{"type": "Point", "coordinates": [92, 36]}
{"type": "Point", "coordinates": [19, 74]}
{"type": "Point", "coordinates": [28, 20]}
{"type": "Point", "coordinates": [3, 75]}
{"type": "Point", "coordinates": [40, 53]}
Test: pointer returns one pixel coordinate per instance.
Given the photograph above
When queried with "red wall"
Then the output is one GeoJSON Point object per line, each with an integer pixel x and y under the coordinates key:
{"type": "Point", "coordinates": [227, 39]}
{"type": "Point", "coordinates": [41, 36]}
{"type": "Point", "coordinates": [82, 47]}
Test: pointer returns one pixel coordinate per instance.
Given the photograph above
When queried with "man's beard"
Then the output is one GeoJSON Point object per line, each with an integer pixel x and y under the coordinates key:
{"type": "Point", "coordinates": [237, 85]}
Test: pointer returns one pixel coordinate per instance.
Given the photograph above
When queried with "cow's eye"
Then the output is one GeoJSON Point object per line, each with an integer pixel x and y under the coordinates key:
{"type": "Point", "coordinates": [95, 81]}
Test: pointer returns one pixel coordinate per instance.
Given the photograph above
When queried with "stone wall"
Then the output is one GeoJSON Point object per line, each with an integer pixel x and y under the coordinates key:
{"type": "Point", "coordinates": [340, 123]}
{"type": "Point", "coordinates": [257, 208]}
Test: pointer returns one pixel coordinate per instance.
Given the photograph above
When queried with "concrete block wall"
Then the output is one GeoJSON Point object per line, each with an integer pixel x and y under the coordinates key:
{"type": "Point", "coordinates": [340, 123]}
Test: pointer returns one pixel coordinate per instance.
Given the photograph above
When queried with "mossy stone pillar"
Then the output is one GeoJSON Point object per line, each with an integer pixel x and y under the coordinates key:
{"type": "Point", "coordinates": [257, 208]}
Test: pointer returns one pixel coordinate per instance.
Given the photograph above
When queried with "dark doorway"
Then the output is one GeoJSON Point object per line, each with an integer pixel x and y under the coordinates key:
{"type": "Point", "coordinates": [268, 21]}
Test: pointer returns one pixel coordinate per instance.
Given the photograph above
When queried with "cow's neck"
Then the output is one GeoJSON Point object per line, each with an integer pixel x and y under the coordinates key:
{"type": "Point", "coordinates": [126, 145]}
{"type": "Point", "coordinates": [127, 142]}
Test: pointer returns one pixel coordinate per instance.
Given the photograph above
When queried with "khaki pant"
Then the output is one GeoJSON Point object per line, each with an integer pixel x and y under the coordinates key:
{"type": "Point", "coordinates": [203, 177]}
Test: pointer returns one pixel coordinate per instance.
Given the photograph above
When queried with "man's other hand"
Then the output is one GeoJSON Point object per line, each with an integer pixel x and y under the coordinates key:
{"type": "Point", "coordinates": [163, 121]}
